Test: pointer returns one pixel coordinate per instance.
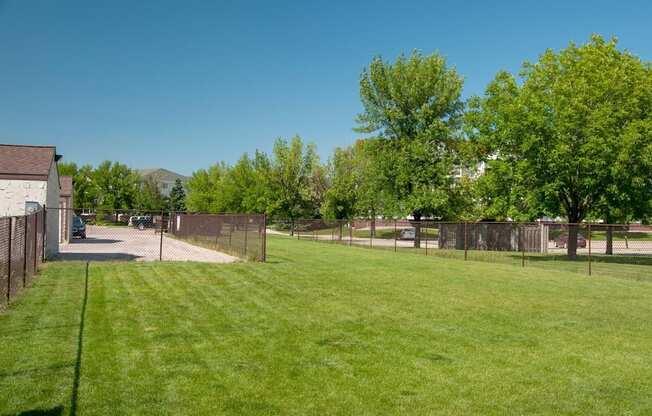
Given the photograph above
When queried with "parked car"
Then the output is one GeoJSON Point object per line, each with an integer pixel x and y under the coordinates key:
{"type": "Point", "coordinates": [78, 227]}
{"type": "Point", "coordinates": [562, 241]}
{"type": "Point", "coordinates": [141, 221]}
{"type": "Point", "coordinates": [407, 234]}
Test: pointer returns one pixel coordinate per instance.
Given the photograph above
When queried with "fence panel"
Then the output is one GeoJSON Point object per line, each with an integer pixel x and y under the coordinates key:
{"type": "Point", "coordinates": [40, 237]}
{"type": "Point", "coordinates": [17, 255]}
{"type": "Point", "coordinates": [614, 249]}
{"type": "Point", "coordinates": [30, 248]}
{"type": "Point", "coordinates": [242, 235]}
{"type": "Point", "coordinates": [5, 225]}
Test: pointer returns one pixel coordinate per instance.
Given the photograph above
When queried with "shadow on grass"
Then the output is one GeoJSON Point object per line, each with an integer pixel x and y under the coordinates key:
{"type": "Point", "coordinates": [80, 343]}
{"type": "Point", "coordinates": [55, 411]}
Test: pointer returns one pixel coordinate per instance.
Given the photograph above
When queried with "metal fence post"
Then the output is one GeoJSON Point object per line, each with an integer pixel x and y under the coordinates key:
{"type": "Point", "coordinates": [372, 229]}
{"type": "Point", "coordinates": [522, 242]}
{"type": "Point", "coordinates": [465, 240]}
{"type": "Point", "coordinates": [25, 254]}
{"type": "Point", "coordinates": [11, 220]}
{"type": "Point", "coordinates": [217, 234]}
{"type": "Point", "coordinates": [160, 244]}
{"type": "Point", "coordinates": [395, 236]}
{"type": "Point", "coordinates": [264, 242]}
{"type": "Point", "coordinates": [231, 223]}
{"type": "Point", "coordinates": [340, 224]}
{"type": "Point", "coordinates": [590, 249]}
{"type": "Point", "coordinates": [350, 232]}
{"type": "Point", "coordinates": [36, 241]}
{"type": "Point", "coordinates": [245, 237]}
{"type": "Point", "coordinates": [43, 237]}
{"type": "Point", "coordinates": [426, 238]}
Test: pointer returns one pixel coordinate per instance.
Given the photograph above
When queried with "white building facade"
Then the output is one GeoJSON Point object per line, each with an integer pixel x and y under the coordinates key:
{"type": "Point", "coordinates": [29, 180]}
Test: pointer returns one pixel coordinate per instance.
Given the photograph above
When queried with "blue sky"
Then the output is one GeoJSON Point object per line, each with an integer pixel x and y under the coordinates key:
{"type": "Point", "coordinates": [183, 84]}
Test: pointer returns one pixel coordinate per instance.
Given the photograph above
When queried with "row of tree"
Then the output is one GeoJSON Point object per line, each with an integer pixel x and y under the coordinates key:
{"type": "Point", "coordinates": [113, 185]}
{"type": "Point", "coordinates": [570, 136]}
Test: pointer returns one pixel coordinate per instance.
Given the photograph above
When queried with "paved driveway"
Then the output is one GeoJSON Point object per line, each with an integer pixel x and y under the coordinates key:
{"type": "Point", "coordinates": [127, 243]}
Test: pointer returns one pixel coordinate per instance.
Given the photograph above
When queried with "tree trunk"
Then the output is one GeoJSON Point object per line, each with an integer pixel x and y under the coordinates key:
{"type": "Point", "coordinates": [571, 243]}
{"type": "Point", "coordinates": [291, 227]}
{"type": "Point", "coordinates": [609, 249]}
{"type": "Point", "coordinates": [417, 230]}
{"type": "Point", "coordinates": [372, 227]}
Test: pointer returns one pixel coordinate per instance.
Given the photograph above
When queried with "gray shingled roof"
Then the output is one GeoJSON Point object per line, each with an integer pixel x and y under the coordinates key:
{"type": "Point", "coordinates": [26, 162]}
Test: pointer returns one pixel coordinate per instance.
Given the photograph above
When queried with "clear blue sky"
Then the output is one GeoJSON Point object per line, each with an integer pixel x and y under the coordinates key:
{"type": "Point", "coordinates": [183, 84]}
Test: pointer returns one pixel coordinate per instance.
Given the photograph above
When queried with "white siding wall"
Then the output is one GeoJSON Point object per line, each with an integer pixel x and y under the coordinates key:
{"type": "Point", "coordinates": [14, 193]}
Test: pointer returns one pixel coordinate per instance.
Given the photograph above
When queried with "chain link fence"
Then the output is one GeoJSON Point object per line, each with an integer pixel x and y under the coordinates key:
{"type": "Point", "coordinates": [243, 235]}
{"type": "Point", "coordinates": [600, 249]}
{"type": "Point", "coordinates": [21, 252]}
{"type": "Point", "coordinates": [103, 234]}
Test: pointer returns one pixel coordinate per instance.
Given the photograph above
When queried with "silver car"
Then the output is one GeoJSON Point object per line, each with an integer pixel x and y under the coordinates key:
{"type": "Point", "coordinates": [407, 234]}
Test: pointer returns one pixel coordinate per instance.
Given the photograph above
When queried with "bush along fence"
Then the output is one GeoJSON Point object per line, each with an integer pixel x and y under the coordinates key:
{"type": "Point", "coordinates": [589, 248]}
{"type": "Point", "coordinates": [22, 242]}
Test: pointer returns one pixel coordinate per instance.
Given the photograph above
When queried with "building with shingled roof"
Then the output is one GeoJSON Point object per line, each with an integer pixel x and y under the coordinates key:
{"type": "Point", "coordinates": [29, 181]}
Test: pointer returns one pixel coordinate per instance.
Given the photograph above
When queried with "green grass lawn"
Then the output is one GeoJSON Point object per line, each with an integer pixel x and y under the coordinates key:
{"type": "Point", "coordinates": [327, 329]}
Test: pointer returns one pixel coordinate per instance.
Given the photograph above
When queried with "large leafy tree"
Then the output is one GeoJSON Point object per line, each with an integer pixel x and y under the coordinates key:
{"type": "Point", "coordinates": [340, 198]}
{"type": "Point", "coordinates": [85, 190]}
{"type": "Point", "coordinates": [573, 136]}
{"type": "Point", "coordinates": [116, 185]}
{"type": "Point", "coordinates": [291, 177]}
{"type": "Point", "coordinates": [204, 189]}
{"type": "Point", "coordinates": [413, 105]}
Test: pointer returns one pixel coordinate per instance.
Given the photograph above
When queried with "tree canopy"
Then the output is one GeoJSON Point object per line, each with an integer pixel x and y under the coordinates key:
{"type": "Point", "coordinates": [572, 137]}
{"type": "Point", "coordinates": [414, 106]}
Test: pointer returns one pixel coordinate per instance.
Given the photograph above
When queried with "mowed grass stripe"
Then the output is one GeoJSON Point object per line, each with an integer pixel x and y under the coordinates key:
{"type": "Point", "coordinates": [326, 329]}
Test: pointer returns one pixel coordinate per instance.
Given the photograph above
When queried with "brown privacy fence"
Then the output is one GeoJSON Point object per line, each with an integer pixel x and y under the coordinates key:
{"type": "Point", "coordinates": [624, 249]}
{"type": "Point", "coordinates": [111, 234]}
{"type": "Point", "coordinates": [21, 252]}
{"type": "Point", "coordinates": [241, 234]}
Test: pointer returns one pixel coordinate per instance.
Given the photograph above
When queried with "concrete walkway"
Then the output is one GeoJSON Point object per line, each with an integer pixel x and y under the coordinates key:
{"type": "Point", "coordinates": [127, 243]}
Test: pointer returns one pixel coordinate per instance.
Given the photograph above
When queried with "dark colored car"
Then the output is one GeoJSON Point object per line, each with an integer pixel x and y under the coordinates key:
{"type": "Point", "coordinates": [78, 227]}
{"type": "Point", "coordinates": [562, 241]}
{"type": "Point", "coordinates": [141, 221]}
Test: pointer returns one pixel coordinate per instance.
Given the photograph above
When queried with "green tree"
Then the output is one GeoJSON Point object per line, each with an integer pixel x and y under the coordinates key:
{"type": "Point", "coordinates": [290, 179]}
{"type": "Point", "coordinates": [85, 191]}
{"type": "Point", "coordinates": [340, 198]}
{"type": "Point", "coordinates": [150, 198]}
{"type": "Point", "coordinates": [259, 194]}
{"type": "Point", "coordinates": [67, 169]}
{"type": "Point", "coordinates": [569, 132]}
{"type": "Point", "coordinates": [177, 196]}
{"type": "Point", "coordinates": [414, 106]}
{"type": "Point", "coordinates": [204, 189]}
{"type": "Point", "coordinates": [117, 186]}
